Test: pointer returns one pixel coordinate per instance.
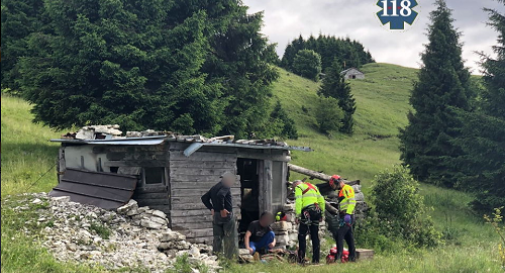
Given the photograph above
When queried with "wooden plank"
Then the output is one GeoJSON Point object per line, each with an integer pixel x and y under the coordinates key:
{"type": "Point", "coordinates": [136, 163]}
{"type": "Point", "coordinates": [197, 199]}
{"type": "Point", "coordinates": [202, 240]}
{"type": "Point", "coordinates": [189, 226]}
{"type": "Point", "coordinates": [183, 200]}
{"type": "Point", "coordinates": [197, 178]}
{"type": "Point", "coordinates": [203, 232]}
{"type": "Point", "coordinates": [202, 165]}
{"type": "Point", "coordinates": [275, 157]}
{"type": "Point", "coordinates": [194, 206]}
{"type": "Point", "coordinates": [199, 192]}
{"type": "Point", "coordinates": [180, 220]}
{"type": "Point", "coordinates": [199, 157]}
{"type": "Point", "coordinates": [184, 213]}
{"type": "Point", "coordinates": [200, 185]}
{"type": "Point", "coordinates": [266, 186]}
{"type": "Point", "coordinates": [261, 181]}
{"type": "Point", "coordinates": [160, 195]}
{"type": "Point", "coordinates": [201, 171]}
{"type": "Point", "coordinates": [190, 206]}
{"type": "Point", "coordinates": [152, 189]}
{"type": "Point", "coordinates": [152, 202]}
{"type": "Point", "coordinates": [317, 175]}
{"type": "Point", "coordinates": [62, 165]}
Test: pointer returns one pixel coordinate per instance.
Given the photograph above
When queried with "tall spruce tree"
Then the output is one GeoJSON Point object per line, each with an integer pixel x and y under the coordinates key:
{"type": "Point", "coordinates": [21, 21]}
{"type": "Point", "coordinates": [484, 132]}
{"type": "Point", "coordinates": [443, 89]}
{"type": "Point", "coordinates": [127, 62]}
{"type": "Point", "coordinates": [190, 66]}
{"type": "Point", "coordinates": [335, 86]}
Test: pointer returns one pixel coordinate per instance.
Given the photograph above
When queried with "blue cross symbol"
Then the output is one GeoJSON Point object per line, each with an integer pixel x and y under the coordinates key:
{"type": "Point", "coordinates": [397, 13]}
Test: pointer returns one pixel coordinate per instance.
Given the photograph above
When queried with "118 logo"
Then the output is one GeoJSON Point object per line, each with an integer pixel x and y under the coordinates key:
{"type": "Point", "coordinates": [397, 13]}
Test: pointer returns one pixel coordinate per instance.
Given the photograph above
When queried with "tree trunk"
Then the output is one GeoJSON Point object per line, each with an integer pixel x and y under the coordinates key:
{"type": "Point", "coordinates": [317, 175]}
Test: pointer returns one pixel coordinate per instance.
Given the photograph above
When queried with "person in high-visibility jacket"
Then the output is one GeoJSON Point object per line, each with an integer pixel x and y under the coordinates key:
{"type": "Point", "coordinates": [309, 212]}
{"type": "Point", "coordinates": [347, 204]}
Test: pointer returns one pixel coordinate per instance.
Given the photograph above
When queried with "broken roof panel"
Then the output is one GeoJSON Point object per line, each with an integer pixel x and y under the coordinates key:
{"type": "Point", "coordinates": [150, 137]}
{"type": "Point", "coordinates": [105, 190]}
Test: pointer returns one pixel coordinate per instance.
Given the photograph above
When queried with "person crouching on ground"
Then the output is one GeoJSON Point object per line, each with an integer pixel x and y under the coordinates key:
{"type": "Point", "coordinates": [259, 234]}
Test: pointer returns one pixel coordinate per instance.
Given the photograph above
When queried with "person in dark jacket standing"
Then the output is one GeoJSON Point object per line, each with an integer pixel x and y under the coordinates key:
{"type": "Point", "coordinates": [219, 201]}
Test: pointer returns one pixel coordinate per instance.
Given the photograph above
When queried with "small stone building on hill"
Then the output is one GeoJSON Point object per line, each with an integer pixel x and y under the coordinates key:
{"type": "Point", "coordinates": [353, 73]}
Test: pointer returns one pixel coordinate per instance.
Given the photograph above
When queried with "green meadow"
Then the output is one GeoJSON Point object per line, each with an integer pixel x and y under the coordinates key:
{"type": "Point", "coordinates": [28, 161]}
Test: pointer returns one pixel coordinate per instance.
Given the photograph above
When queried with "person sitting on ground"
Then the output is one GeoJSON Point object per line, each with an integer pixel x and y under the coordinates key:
{"type": "Point", "coordinates": [259, 234]}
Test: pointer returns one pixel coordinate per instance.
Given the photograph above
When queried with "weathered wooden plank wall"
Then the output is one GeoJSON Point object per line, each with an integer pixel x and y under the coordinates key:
{"type": "Point", "coordinates": [190, 178]}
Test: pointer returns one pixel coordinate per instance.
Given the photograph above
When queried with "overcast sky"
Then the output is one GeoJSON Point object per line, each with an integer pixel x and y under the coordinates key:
{"type": "Point", "coordinates": [286, 19]}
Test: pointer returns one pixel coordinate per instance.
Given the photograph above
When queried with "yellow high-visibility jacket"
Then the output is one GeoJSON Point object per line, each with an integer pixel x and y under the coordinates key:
{"type": "Point", "coordinates": [348, 202]}
{"type": "Point", "coordinates": [307, 194]}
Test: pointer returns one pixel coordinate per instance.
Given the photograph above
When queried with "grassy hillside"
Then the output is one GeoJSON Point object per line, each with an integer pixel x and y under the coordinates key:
{"type": "Point", "coordinates": [382, 105]}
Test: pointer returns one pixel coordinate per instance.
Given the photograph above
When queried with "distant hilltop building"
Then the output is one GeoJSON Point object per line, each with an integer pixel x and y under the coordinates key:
{"type": "Point", "coordinates": [353, 73]}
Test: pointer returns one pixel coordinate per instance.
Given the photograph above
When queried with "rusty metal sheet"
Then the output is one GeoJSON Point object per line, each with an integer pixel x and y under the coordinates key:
{"type": "Point", "coordinates": [105, 190]}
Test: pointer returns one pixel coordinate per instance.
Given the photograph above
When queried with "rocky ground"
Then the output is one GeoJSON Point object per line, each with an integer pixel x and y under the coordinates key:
{"type": "Point", "coordinates": [132, 237]}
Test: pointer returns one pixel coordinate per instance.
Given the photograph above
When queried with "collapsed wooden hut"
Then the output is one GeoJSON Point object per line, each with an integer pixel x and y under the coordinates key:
{"type": "Point", "coordinates": [170, 172]}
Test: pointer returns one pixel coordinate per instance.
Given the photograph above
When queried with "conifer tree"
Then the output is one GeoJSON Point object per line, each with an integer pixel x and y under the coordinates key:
{"type": "Point", "coordinates": [127, 62]}
{"type": "Point", "coordinates": [484, 131]}
{"type": "Point", "coordinates": [443, 89]}
{"type": "Point", "coordinates": [335, 86]}
{"type": "Point", "coordinates": [21, 20]}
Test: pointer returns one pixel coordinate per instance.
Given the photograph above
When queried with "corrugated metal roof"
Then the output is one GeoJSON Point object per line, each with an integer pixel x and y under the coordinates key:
{"type": "Point", "coordinates": [196, 142]}
{"type": "Point", "coordinates": [157, 140]}
{"type": "Point", "coordinates": [132, 141]}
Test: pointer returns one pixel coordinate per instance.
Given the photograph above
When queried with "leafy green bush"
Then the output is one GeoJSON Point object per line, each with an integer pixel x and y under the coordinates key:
{"type": "Point", "coordinates": [10, 92]}
{"type": "Point", "coordinates": [401, 212]}
{"type": "Point", "coordinates": [307, 63]}
{"type": "Point", "coordinates": [328, 115]}
{"type": "Point", "coordinates": [496, 220]}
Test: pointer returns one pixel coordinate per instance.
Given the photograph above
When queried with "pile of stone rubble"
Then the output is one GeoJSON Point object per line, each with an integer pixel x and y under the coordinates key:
{"type": "Point", "coordinates": [132, 237]}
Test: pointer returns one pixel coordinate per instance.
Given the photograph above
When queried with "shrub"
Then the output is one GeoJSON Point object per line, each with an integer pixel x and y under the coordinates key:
{"type": "Point", "coordinates": [307, 63]}
{"type": "Point", "coordinates": [328, 115]}
{"type": "Point", "coordinates": [496, 222]}
{"type": "Point", "coordinates": [400, 209]}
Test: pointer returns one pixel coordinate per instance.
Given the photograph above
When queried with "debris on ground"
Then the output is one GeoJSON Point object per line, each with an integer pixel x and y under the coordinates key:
{"type": "Point", "coordinates": [131, 237]}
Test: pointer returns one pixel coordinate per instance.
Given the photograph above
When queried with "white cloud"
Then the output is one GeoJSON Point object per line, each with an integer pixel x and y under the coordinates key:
{"type": "Point", "coordinates": [287, 19]}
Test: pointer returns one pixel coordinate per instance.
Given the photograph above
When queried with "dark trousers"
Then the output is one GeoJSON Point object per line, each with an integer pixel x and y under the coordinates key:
{"type": "Point", "coordinates": [225, 236]}
{"type": "Point", "coordinates": [345, 233]}
{"type": "Point", "coordinates": [309, 224]}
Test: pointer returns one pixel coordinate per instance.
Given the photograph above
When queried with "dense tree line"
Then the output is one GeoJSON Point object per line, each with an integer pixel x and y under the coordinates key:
{"type": "Point", "coordinates": [456, 134]}
{"type": "Point", "coordinates": [349, 52]}
{"type": "Point", "coordinates": [197, 66]}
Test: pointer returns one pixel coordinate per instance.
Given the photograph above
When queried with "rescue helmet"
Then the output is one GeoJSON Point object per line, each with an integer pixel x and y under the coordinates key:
{"type": "Point", "coordinates": [335, 179]}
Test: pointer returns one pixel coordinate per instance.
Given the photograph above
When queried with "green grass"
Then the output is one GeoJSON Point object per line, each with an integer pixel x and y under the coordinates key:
{"type": "Point", "coordinates": [382, 106]}
{"type": "Point", "coordinates": [382, 101]}
{"type": "Point", "coordinates": [27, 153]}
